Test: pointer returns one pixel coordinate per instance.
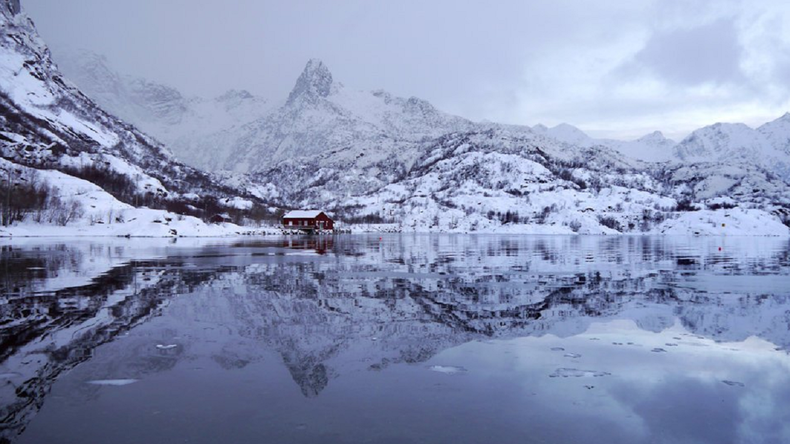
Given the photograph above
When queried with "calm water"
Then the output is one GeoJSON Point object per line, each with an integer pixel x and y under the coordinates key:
{"type": "Point", "coordinates": [403, 339]}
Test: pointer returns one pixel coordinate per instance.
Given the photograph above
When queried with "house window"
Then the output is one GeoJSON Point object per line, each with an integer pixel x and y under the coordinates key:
{"type": "Point", "coordinates": [290, 223]}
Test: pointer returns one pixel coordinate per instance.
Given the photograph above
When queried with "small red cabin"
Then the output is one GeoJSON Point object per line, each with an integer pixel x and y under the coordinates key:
{"type": "Point", "coordinates": [307, 220]}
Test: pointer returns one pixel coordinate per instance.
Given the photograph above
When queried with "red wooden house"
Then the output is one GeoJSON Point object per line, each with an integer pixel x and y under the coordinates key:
{"type": "Point", "coordinates": [307, 220]}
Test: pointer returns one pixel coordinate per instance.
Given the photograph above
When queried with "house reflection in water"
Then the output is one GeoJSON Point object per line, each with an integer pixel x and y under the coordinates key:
{"type": "Point", "coordinates": [321, 244]}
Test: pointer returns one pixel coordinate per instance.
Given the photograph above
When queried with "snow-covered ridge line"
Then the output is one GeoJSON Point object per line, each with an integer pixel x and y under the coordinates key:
{"type": "Point", "coordinates": [375, 158]}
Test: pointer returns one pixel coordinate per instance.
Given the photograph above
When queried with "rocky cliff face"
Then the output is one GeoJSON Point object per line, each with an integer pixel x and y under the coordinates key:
{"type": "Point", "coordinates": [12, 6]}
{"type": "Point", "coordinates": [314, 82]}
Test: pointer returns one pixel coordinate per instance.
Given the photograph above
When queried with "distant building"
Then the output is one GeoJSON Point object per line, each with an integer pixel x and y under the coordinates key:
{"type": "Point", "coordinates": [220, 218]}
{"type": "Point", "coordinates": [307, 220]}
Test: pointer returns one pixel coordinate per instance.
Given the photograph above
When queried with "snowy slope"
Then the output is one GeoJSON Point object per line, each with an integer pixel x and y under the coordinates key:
{"type": "Point", "coordinates": [565, 133]}
{"type": "Point", "coordinates": [738, 143]}
{"type": "Point", "coordinates": [777, 133]}
{"type": "Point", "coordinates": [474, 183]}
{"type": "Point", "coordinates": [653, 147]}
{"type": "Point", "coordinates": [88, 210]}
{"type": "Point", "coordinates": [372, 156]}
{"type": "Point", "coordinates": [189, 126]}
{"type": "Point", "coordinates": [47, 123]}
{"type": "Point", "coordinates": [321, 118]}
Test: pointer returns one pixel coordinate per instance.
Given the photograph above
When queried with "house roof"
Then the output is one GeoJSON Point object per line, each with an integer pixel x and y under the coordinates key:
{"type": "Point", "coordinates": [302, 214]}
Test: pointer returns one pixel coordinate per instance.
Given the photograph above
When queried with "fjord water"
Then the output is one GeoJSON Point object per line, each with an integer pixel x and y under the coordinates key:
{"type": "Point", "coordinates": [398, 339]}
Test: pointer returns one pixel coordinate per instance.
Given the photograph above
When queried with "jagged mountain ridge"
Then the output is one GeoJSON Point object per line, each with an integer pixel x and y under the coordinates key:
{"type": "Point", "coordinates": [767, 146]}
{"type": "Point", "coordinates": [319, 117]}
{"type": "Point", "coordinates": [485, 168]}
{"type": "Point", "coordinates": [322, 105]}
{"type": "Point", "coordinates": [323, 118]}
{"type": "Point", "coordinates": [186, 125]}
{"type": "Point", "coordinates": [334, 115]}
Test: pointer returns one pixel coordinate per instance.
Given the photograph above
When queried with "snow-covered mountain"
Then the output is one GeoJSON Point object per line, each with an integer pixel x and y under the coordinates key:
{"type": "Point", "coordinates": [735, 143]}
{"type": "Point", "coordinates": [132, 99]}
{"type": "Point", "coordinates": [242, 133]}
{"type": "Point", "coordinates": [322, 120]}
{"type": "Point", "coordinates": [653, 147]}
{"type": "Point", "coordinates": [373, 156]}
{"type": "Point", "coordinates": [48, 124]}
{"type": "Point", "coordinates": [188, 126]}
{"type": "Point", "coordinates": [565, 133]}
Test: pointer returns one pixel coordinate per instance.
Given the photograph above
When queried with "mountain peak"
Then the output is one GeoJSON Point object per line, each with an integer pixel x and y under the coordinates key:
{"type": "Point", "coordinates": [235, 94]}
{"type": "Point", "coordinates": [315, 81]}
{"type": "Point", "coordinates": [655, 136]}
{"type": "Point", "coordinates": [540, 128]}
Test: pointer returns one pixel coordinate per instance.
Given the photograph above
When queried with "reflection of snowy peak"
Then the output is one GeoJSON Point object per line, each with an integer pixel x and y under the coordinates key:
{"type": "Point", "coordinates": [363, 306]}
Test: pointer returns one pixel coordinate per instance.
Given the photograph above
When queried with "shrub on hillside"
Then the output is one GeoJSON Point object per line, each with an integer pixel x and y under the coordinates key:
{"type": "Point", "coordinates": [610, 222]}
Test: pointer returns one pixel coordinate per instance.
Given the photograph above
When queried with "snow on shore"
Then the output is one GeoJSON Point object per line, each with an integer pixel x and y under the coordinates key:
{"type": "Point", "coordinates": [101, 214]}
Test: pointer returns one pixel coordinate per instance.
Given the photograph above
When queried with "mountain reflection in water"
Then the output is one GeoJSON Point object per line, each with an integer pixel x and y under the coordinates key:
{"type": "Point", "coordinates": [364, 314]}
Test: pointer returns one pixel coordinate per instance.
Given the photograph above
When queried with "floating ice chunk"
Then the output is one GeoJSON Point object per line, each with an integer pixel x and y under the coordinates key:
{"type": "Point", "coordinates": [166, 347]}
{"type": "Point", "coordinates": [576, 373]}
{"type": "Point", "coordinates": [10, 375]}
{"type": "Point", "coordinates": [115, 382]}
{"type": "Point", "coordinates": [447, 369]}
{"type": "Point", "coordinates": [733, 383]}
{"type": "Point", "coordinates": [572, 355]}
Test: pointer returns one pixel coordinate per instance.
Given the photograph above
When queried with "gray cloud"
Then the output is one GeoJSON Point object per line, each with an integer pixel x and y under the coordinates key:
{"type": "Point", "coordinates": [709, 53]}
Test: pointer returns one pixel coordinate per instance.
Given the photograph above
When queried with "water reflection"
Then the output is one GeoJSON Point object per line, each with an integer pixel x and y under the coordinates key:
{"type": "Point", "coordinates": [602, 332]}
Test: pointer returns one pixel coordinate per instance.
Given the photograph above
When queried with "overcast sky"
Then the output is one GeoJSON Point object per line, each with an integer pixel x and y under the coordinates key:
{"type": "Point", "coordinates": [612, 68]}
